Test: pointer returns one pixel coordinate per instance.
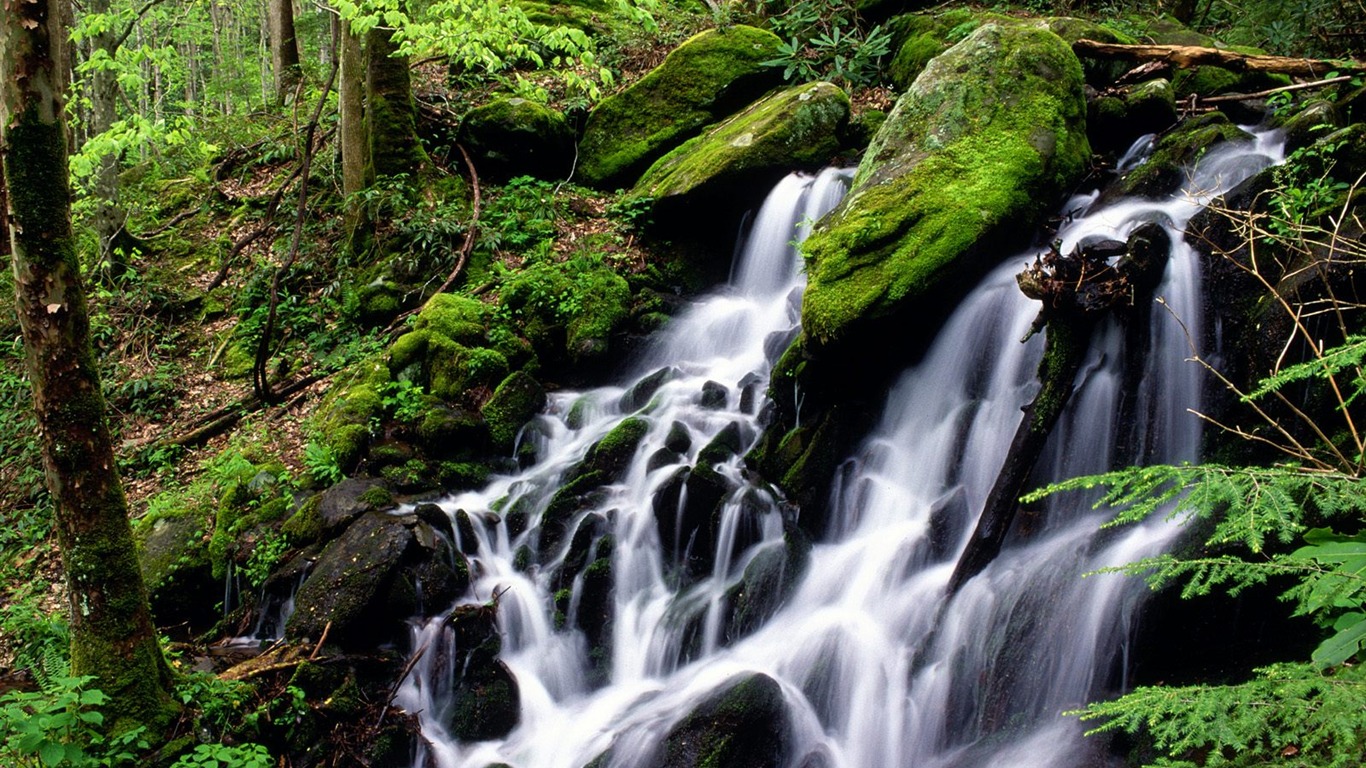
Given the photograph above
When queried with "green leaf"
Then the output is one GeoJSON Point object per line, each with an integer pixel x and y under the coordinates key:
{"type": "Point", "coordinates": [1351, 632]}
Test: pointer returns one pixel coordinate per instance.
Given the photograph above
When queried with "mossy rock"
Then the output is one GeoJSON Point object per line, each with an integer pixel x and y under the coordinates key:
{"type": "Point", "coordinates": [458, 318]}
{"type": "Point", "coordinates": [518, 398]}
{"type": "Point", "coordinates": [990, 134]}
{"type": "Point", "coordinates": [364, 582]}
{"type": "Point", "coordinates": [1216, 81]}
{"type": "Point", "coordinates": [1114, 121]}
{"type": "Point", "coordinates": [1165, 170]}
{"type": "Point", "coordinates": [708, 77]}
{"type": "Point", "coordinates": [1164, 30]}
{"type": "Point", "coordinates": [515, 137]}
{"type": "Point", "coordinates": [173, 552]}
{"type": "Point", "coordinates": [799, 127]}
{"type": "Point", "coordinates": [378, 302]}
{"type": "Point", "coordinates": [746, 725]}
{"type": "Point", "coordinates": [919, 37]}
{"type": "Point", "coordinates": [570, 309]}
{"type": "Point", "coordinates": [1098, 72]}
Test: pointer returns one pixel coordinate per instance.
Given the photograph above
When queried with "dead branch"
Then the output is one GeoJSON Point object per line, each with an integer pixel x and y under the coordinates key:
{"type": "Point", "coordinates": [1270, 91]}
{"type": "Point", "coordinates": [1189, 56]}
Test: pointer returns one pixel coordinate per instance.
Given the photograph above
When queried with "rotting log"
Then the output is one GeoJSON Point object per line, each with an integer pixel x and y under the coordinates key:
{"type": "Point", "coordinates": [1190, 56]}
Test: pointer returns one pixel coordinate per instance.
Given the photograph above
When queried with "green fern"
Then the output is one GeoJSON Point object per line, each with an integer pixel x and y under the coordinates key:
{"type": "Point", "coordinates": [1348, 356]}
{"type": "Point", "coordinates": [1288, 715]}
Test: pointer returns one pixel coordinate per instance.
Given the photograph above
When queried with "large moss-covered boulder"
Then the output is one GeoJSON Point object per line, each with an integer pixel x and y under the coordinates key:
{"type": "Point", "coordinates": [515, 137]}
{"type": "Point", "coordinates": [710, 76]}
{"type": "Point", "coordinates": [989, 135]}
{"type": "Point", "coordinates": [973, 156]}
{"type": "Point", "coordinates": [794, 128]}
{"type": "Point", "coordinates": [517, 399]}
{"type": "Point", "coordinates": [919, 37]}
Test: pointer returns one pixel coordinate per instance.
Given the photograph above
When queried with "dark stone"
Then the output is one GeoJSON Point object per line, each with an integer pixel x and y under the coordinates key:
{"type": "Point", "coordinates": [749, 392]}
{"type": "Point", "coordinates": [727, 443]}
{"type": "Point", "coordinates": [679, 439]}
{"type": "Point", "coordinates": [343, 503]}
{"type": "Point", "coordinates": [486, 701]}
{"type": "Point", "coordinates": [662, 458]}
{"type": "Point", "coordinates": [364, 582]}
{"type": "Point", "coordinates": [713, 396]}
{"type": "Point", "coordinates": [744, 726]}
{"type": "Point", "coordinates": [767, 583]}
{"type": "Point", "coordinates": [638, 396]}
{"type": "Point", "coordinates": [466, 539]}
{"type": "Point", "coordinates": [515, 137]}
{"type": "Point", "coordinates": [436, 517]}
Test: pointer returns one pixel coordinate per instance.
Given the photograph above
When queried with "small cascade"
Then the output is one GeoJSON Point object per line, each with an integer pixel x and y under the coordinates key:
{"type": "Point", "coordinates": [634, 571]}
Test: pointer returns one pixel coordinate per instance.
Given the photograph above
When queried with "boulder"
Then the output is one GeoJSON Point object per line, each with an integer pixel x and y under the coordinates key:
{"type": "Point", "coordinates": [1114, 121]}
{"type": "Point", "coordinates": [365, 581]}
{"type": "Point", "coordinates": [486, 701]}
{"type": "Point", "coordinates": [517, 399]}
{"type": "Point", "coordinates": [173, 552]}
{"type": "Point", "coordinates": [745, 725]}
{"type": "Point", "coordinates": [707, 78]}
{"type": "Point", "coordinates": [798, 127]}
{"type": "Point", "coordinates": [972, 156]}
{"type": "Point", "coordinates": [515, 137]}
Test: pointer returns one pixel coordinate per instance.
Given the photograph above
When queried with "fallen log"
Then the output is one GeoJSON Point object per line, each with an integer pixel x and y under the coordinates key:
{"type": "Point", "coordinates": [1189, 56]}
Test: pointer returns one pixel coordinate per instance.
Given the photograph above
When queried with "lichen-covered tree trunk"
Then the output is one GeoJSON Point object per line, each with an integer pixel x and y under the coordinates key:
{"type": "Point", "coordinates": [284, 49]}
{"type": "Point", "coordinates": [112, 635]}
{"type": "Point", "coordinates": [390, 117]}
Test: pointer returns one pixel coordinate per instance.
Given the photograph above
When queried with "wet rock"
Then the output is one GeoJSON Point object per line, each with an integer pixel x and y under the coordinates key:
{"type": "Point", "coordinates": [344, 502]}
{"type": "Point", "coordinates": [436, 517]}
{"type": "Point", "coordinates": [767, 582]}
{"type": "Point", "coordinates": [679, 439]}
{"type": "Point", "coordinates": [467, 540]}
{"type": "Point", "coordinates": [745, 154]}
{"type": "Point", "coordinates": [518, 398]}
{"type": "Point", "coordinates": [1115, 120]}
{"type": "Point", "coordinates": [713, 396]}
{"type": "Point", "coordinates": [365, 581]}
{"type": "Point", "coordinates": [1165, 170]}
{"type": "Point", "coordinates": [743, 726]}
{"type": "Point", "coordinates": [174, 555]}
{"type": "Point", "coordinates": [486, 701]}
{"type": "Point", "coordinates": [640, 393]}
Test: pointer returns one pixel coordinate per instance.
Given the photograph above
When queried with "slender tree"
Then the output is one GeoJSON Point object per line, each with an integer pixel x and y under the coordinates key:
{"type": "Point", "coordinates": [112, 635]}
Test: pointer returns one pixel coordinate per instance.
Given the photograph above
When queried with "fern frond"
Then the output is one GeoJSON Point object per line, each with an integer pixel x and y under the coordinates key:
{"type": "Point", "coordinates": [1350, 355]}
{"type": "Point", "coordinates": [1287, 710]}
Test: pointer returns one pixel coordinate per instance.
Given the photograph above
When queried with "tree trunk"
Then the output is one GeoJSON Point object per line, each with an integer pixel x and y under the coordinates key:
{"type": "Point", "coordinates": [112, 636]}
{"type": "Point", "coordinates": [391, 119]}
{"type": "Point", "coordinates": [104, 98]}
{"type": "Point", "coordinates": [354, 147]}
{"type": "Point", "coordinates": [284, 49]}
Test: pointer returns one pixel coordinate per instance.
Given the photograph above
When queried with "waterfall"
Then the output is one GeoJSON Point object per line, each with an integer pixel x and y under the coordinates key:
{"type": "Point", "coordinates": [876, 666]}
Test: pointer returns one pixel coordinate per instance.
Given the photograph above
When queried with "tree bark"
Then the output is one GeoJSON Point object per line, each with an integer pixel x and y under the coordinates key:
{"type": "Point", "coordinates": [1188, 56]}
{"type": "Point", "coordinates": [284, 49]}
{"type": "Point", "coordinates": [354, 147]}
{"type": "Point", "coordinates": [112, 635]}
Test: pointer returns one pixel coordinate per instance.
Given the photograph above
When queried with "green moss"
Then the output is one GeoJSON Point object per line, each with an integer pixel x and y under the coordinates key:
{"type": "Point", "coordinates": [706, 78]}
{"type": "Point", "coordinates": [1165, 168]}
{"type": "Point", "coordinates": [459, 318]}
{"type": "Point", "coordinates": [378, 497]}
{"type": "Point", "coordinates": [989, 135]}
{"type": "Point", "coordinates": [797, 126]}
{"type": "Point", "coordinates": [919, 37]}
{"type": "Point", "coordinates": [461, 475]}
{"type": "Point", "coordinates": [570, 308]}
{"type": "Point", "coordinates": [1212, 81]}
{"type": "Point", "coordinates": [305, 526]}
{"type": "Point", "coordinates": [517, 399]}
{"type": "Point", "coordinates": [407, 351]}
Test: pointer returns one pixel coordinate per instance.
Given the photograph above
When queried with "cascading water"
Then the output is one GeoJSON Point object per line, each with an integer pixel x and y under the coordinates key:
{"type": "Point", "coordinates": [876, 667]}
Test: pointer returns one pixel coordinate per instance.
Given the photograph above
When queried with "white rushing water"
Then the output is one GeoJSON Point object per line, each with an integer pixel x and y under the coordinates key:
{"type": "Point", "coordinates": [876, 667]}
